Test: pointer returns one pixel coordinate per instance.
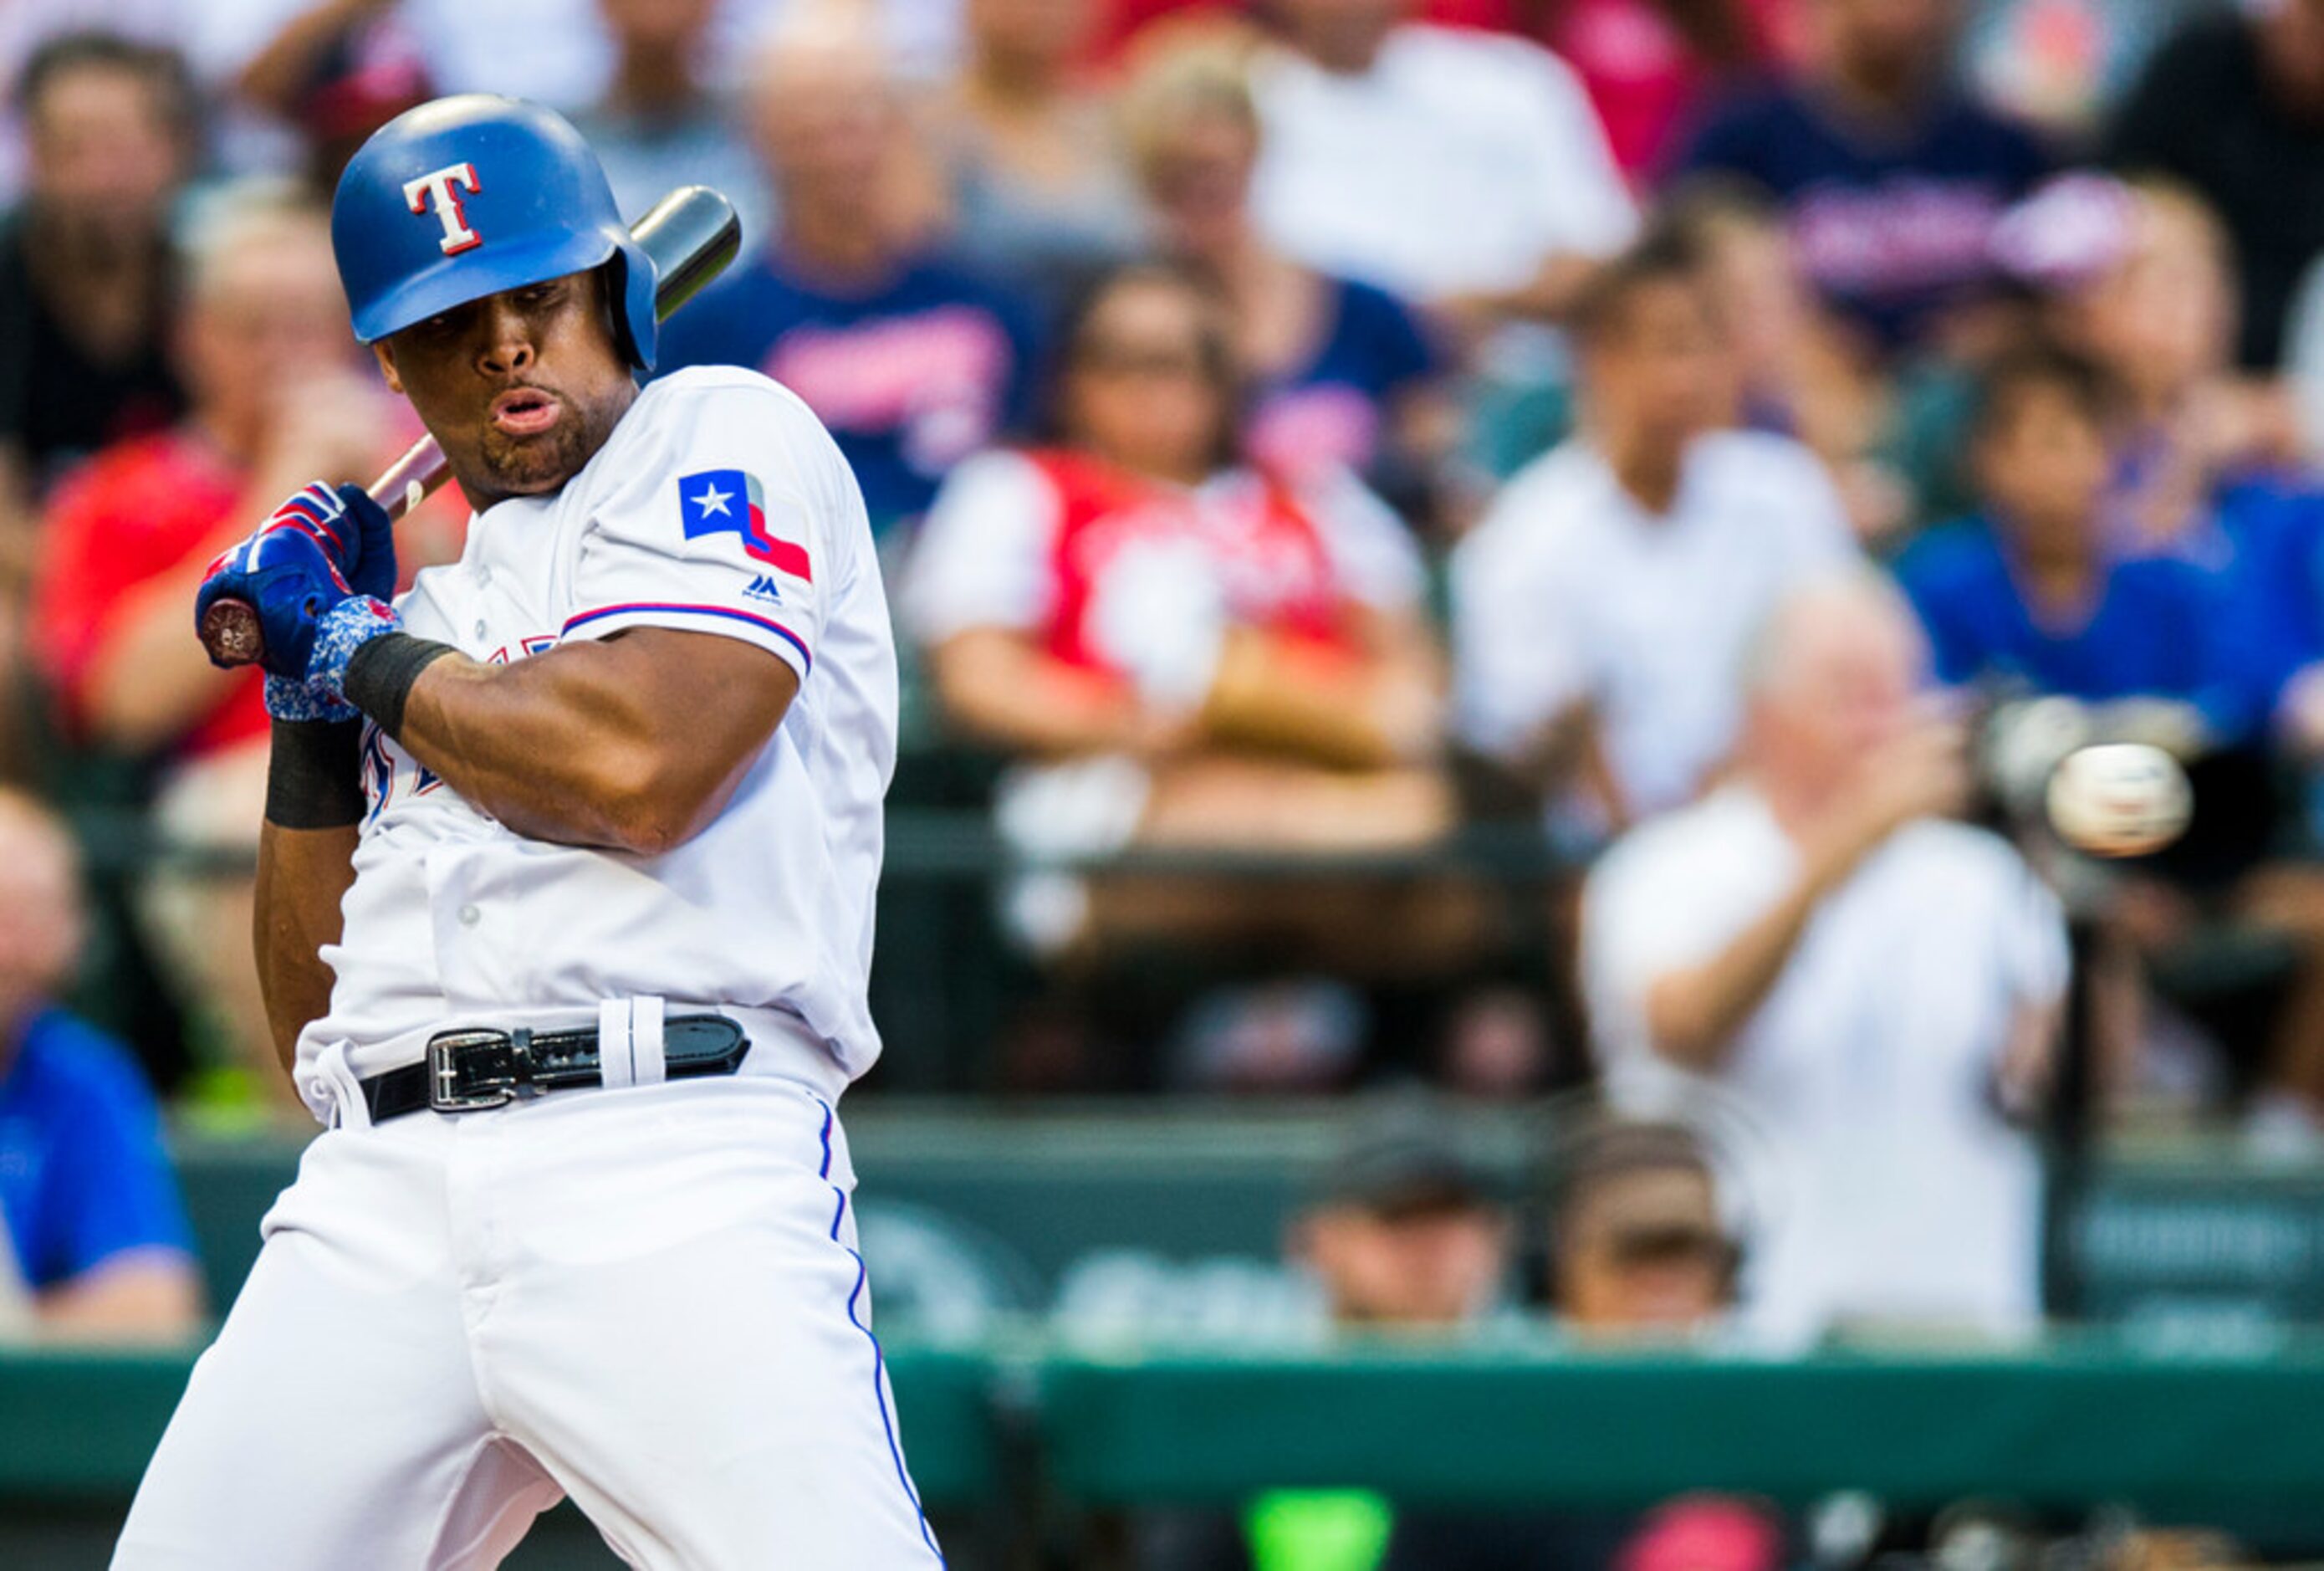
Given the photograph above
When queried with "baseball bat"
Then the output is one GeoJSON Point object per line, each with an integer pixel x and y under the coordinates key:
{"type": "Point", "coordinates": [691, 234]}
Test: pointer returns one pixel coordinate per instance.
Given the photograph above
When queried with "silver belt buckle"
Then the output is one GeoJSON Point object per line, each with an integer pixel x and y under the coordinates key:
{"type": "Point", "coordinates": [449, 1091]}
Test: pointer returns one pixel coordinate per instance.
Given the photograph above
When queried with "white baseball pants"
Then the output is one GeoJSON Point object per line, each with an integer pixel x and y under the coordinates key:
{"type": "Point", "coordinates": [648, 1299]}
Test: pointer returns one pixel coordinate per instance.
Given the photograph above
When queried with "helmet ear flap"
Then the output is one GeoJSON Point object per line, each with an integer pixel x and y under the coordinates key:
{"type": "Point", "coordinates": [629, 282]}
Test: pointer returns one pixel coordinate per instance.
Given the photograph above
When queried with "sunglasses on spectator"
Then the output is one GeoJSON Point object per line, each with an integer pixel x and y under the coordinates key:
{"type": "Point", "coordinates": [1647, 1248]}
{"type": "Point", "coordinates": [1145, 362]}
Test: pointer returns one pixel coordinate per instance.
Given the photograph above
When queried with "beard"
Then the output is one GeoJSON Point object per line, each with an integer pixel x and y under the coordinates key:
{"type": "Point", "coordinates": [528, 466]}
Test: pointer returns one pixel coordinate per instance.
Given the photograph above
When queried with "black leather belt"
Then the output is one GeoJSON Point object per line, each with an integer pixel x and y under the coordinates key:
{"type": "Point", "coordinates": [472, 1069]}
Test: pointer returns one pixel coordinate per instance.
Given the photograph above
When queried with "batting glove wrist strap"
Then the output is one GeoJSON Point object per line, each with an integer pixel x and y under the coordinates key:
{"type": "Point", "coordinates": [380, 673]}
{"type": "Point", "coordinates": [314, 777]}
{"type": "Point", "coordinates": [339, 631]}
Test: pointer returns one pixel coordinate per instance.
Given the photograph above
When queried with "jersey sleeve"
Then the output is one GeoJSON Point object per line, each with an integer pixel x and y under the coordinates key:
{"type": "Point", "coordinates": [982, 556]}
{"type": "Point", "coordinates": [738, 519]}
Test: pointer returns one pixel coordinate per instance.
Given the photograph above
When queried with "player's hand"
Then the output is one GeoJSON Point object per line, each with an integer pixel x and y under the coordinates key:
{"type": "Point", "coordinates": [292, 578]}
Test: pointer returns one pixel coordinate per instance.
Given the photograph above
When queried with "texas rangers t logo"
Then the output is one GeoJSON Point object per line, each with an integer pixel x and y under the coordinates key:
{"type": "Point", "coordinates": [435, 190]}
{"type": "Point", "coordinates": [730, 501]}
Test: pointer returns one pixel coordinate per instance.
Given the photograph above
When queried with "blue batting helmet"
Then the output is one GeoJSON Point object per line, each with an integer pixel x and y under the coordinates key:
{"type": "Point", "coordinates": [467, 196]}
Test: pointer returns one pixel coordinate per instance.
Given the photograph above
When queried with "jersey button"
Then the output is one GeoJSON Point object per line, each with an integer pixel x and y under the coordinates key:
{"type": "Point", "coordinates": [480, 630]}
{"type": "Point", "coordinates": [470, 916]}
{"type": "Point", "coordinates": [484, 577]}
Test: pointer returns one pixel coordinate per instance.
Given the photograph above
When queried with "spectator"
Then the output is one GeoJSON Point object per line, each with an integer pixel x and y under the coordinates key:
{"type": "Point", "coordinates": [1804, 375]}
{"type": "Point", "coordinates": [86, 1197]}
{"type": "Point", "coordinates": [327, 75]}
{"type": "Point", "coordinates": [1342, 374]}
{"type": "Point", "coordinates": [2032, 594]}
{"type": "Point", "coordinates": [1637, 1248]}
{"type": "Point", "coordinates": [266, 353]}
{"type": "Point", "coordinates": [1039, 193]}
{"type": "Point", "coordinates": [1601, 610]}
{"type": "Point", "coordinates": [1651, 67]}
{"type": "Point", "coordinates": [1636, 1254]}
{"type": "Point", "coordinates": [84, 264]}
{"type": "Point", "coordinates": [1183, 650]}
{"type": "Point", "coordinates": [1407, 1232]}
{"type": "Point", "coordinates": [1461, 170]}
{"type": "Point", "coordinates": [1406, 1235]}
{"type": "Point", "coordinates": [912, 362]}
{"type": "Point", "coordinates": [2234, 106]}
{"type": "Point", "coordinates": [1871, 983]}
{"type": "Point", "coordinates": [1892, 180]}
{"type": "Point", "coordinates": [2028, 601]}
{"type": "Point", "coordinates": [660, 124]}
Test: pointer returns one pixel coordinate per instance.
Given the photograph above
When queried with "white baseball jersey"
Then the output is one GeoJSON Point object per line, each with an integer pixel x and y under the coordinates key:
{"type": "Point", "coordinates": [718, 505]}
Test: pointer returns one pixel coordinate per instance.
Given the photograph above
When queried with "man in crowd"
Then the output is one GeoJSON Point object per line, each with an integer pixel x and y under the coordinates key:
{"type": "Point", "coordinates": [263, 349]}
{"type": "Point", "coordinates": [1892, 179]}
{"type": "Point", "coordinates": [912, 364]}
{"type": "Point", "coordinates": [660, 124]}
{"type": "Point", "coordinates": [90, 1221]}
{"type": "Point", "coordinates": [2234, 106]}
{"type": "Point", "coordinates": [1873, 985]}
{"type": "Point", "coordinates": [1461, 170]}
{"type": "Point", "coordinates": [1636, 1247]}
{"type": "Point", "coordinates": [1600, 611]}
{"type": "Point", "coordinates": [84, 266]}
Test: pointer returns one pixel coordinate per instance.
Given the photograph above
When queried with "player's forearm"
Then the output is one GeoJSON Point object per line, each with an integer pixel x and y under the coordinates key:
{"type": "Point", "coordinates": [633, 744]}
{"type": "Point", "coordinates": [302, 876]}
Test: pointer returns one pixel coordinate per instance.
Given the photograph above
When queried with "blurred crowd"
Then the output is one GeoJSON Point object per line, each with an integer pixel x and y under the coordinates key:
{"type": "Point", "coordinates": [1533, 542]}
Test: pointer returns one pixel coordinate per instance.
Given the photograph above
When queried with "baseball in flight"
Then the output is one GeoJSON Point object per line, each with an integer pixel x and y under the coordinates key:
{"type": "Point", "coordinates": [2119, 799]}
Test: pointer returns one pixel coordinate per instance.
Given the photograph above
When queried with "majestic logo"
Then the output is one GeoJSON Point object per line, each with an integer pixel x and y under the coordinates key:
{"type": "Point", "coordinates": [435, 190]}
{"type": "Point", "coordinates": [762, 587]}
{"type": "Point", "coordinates": [731, 502]}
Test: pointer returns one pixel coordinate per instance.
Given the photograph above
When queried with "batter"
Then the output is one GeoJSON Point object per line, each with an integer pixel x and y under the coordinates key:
{"type": "Point", "coordinates": [564, 919]}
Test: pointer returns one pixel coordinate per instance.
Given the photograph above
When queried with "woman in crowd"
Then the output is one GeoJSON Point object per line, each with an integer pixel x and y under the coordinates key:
{"type": "Point", "coordinates": [1184, 649]}
{"type": "Point", "coordinates": [1342, 373]}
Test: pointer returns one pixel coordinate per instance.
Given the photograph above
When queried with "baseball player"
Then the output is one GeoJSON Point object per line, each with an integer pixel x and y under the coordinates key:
{"type": "Point", "coordinates": [565, 915]}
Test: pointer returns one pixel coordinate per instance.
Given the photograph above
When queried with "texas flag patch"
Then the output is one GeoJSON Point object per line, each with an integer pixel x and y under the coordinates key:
{"type": "Point", "coordinates": [731, 502]}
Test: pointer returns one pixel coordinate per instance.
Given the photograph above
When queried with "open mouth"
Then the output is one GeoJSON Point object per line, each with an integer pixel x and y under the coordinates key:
{"type": "Point", "coordinates": [525, 412]}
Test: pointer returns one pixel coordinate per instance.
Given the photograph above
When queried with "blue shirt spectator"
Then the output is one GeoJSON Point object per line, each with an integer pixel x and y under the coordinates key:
{"type": "Point", "coordinates": [83, 1177]}
{"type": "Point", "coordinates": [911, 374]}
{"type": "Point", "coordinates": [1332, 407]}
{"type": "Point", "coordinates": [2156, 628]}
{"type": "Point", "coordinates": [1891, 225]}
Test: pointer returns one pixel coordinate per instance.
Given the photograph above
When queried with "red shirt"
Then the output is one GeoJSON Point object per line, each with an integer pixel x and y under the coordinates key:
{"type": "Point", "coordinates": [1265, 550]}
{"type": "Point", "coordinates": [130, 515]}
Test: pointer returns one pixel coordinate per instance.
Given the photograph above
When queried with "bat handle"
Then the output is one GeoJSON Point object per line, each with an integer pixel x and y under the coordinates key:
{"type": "Point", "coordinates": [231, 634]}
{"type": "Point", "coordinates": [230, 630]}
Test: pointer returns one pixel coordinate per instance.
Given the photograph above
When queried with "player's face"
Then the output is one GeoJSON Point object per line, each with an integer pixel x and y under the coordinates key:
{"type": "Point", "coordinates": [520, 388]}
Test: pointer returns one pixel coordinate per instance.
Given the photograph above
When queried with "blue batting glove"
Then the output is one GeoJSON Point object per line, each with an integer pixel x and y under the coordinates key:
{"type": "Point", "coordinates": [289, 700]}
{"type": "Point", "coordinates": [290, 578]}
{"type": "Point", "coordinates": [371, 570]}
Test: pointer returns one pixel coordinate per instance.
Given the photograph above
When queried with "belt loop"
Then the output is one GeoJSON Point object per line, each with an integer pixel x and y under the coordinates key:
{"type": "Point", "coordinates": [613, 1061]}
{"type": "Point", "coordinates": [332, 1091]}
{"type": "Point", "coordinates": [646, 1059]}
